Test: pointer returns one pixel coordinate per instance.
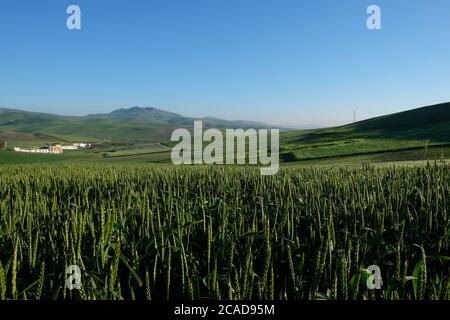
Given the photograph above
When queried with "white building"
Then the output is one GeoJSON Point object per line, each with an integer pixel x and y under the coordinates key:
{"type": "Point", "coordinates": [77, 146]}
{"type": "Point", "coordinates": [55, 149]}
{"type": "Point", "coordinates": [85, 145]}
{"type": "Point", "coordinates": [69, 147]}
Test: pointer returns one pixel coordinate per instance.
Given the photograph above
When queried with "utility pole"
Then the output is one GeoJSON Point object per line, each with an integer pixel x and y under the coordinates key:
{"type": "Point", "coordinates": [354, 116]}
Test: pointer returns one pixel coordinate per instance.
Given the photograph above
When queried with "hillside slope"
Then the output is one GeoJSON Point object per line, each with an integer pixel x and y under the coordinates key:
{"type": "Point", "coordinates": [407, 120]}
{"type": "Point", "coordinates": [135, 124]}
{"type": "Point", "coordinates": [418, 128]}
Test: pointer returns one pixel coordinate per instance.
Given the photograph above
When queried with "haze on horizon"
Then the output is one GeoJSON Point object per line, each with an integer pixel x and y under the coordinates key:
{"type": "Point", "coordinates": [291, 63]}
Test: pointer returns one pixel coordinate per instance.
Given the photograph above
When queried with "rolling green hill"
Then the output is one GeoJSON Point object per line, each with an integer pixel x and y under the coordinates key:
{"type": "Point", "coordinates": [123, 125]}
{"type": "Point", "coordinates": [420, 128]}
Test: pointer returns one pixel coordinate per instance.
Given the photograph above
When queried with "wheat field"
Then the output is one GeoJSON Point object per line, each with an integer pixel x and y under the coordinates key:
{"type": "Point", "coordinates": [146, 232]}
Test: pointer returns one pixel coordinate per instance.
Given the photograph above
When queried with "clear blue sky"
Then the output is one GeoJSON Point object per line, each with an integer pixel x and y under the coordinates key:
{"type": "Point", "coordinates": [288, 62]}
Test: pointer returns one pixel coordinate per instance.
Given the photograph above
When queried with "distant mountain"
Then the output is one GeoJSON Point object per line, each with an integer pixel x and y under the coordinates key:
{"type": "Point", "coordinates": [155, 115]}
{"type": "Point", "coordinates": [140, 114]}
{"type": "Point", "coordinates": [132, 124]}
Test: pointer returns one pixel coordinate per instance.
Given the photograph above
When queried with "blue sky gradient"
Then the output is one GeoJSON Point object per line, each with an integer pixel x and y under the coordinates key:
{"type": "Point", "coordinates": [288, 62]}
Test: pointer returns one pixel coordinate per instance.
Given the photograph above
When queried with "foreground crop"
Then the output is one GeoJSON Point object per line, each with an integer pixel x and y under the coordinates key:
{"type": "Point", "coordinates": [169, 233]}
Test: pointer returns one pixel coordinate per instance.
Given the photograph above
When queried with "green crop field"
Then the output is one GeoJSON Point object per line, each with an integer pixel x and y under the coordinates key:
{"type": "Point", "coordinates": [9, 157]}
{"type": "Point", "coordinates": [166, 232]}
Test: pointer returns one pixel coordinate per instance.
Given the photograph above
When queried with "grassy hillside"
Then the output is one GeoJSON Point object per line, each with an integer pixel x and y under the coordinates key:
{"type": "Point", "coordinates": [417, 129]}
{"type": "Point", "coordinates": [123, 125]}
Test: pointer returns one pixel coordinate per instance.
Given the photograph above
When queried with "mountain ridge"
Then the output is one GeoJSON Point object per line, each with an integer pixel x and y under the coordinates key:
{"type": "Point", "coordinates": [122, 124]}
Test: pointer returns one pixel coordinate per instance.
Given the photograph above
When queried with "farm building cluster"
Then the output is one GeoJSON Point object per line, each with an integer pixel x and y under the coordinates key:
{"type": "Point", "coordinates": [54, 149]}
